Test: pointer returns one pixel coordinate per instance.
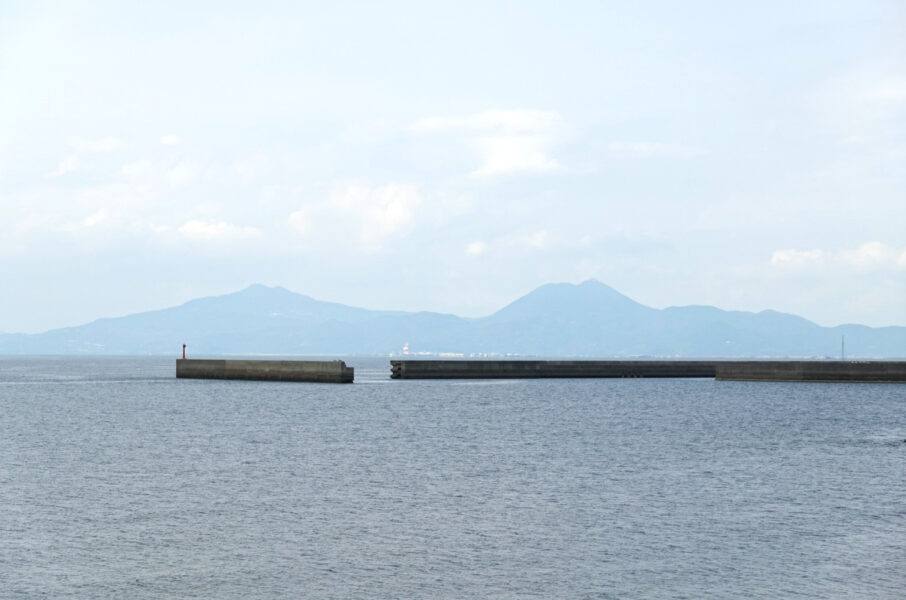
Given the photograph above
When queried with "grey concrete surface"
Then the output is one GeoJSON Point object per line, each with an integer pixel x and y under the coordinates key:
{"type": "Point", "coordinates": [511, 369]}
{"type": "Point", "coordinates": [333, 371]}
{"type": "Point", "coordinates": [781, 370]}
{"type": "Point", "coordinates": [812, 370]}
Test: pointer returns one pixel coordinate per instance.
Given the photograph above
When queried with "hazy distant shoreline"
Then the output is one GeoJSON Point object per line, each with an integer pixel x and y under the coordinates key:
{"type": "Point", "coordinates": [588, 320]}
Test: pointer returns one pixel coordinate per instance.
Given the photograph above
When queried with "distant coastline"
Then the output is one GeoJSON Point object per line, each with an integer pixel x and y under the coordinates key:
{"type": "Point", "coordinates": [587, 320]}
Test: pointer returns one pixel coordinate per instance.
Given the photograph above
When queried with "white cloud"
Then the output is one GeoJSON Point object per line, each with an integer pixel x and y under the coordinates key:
{"type": "Point", "coordinates": [476, 248]}
{"type": "Point", "coordinates": [245, 169]}
{"type": "Point", "coordinates": [159, 229]}
{"type": "Point", "coordinates": [95, 218]}
{"type": "Point", "coordinates": [74, 216]}
{"type": "Point", "coordinates": [506, 141]}
{"type": "Point", "coordinates": [257, 167]}
{"type": "Point", "coordinates": [384, 211]}
{"type": "Point", "coordinates": [870, 255]}
{"type": "Point", "coordinates": [107, 144]}
{"type": "Point", "coordinates": [138, 171]}
{"type": "Point", "coordinates": [33, 223]}
{"type": "Point", "coordinates": [514, 153]}
{"type": "Point", "coordinates": [867, 255]}
{"type": "Point", "coordinates": [219, 230]}
{"type": "Point", "coordinates": [300, 220]}
{"type": "Point", "coordinates": [539, 239]}
{"type": "Point", "coordinates": [652, 150]}
{"type": "Point", "coordinates": [182, 174]}
{"type": "Point", "coordinates": [171, 140]}
{"type": "Point", "coordinates": [375, 212]}
{"type": "Point", "coordinates": [890, 91]}
{"type": "Point", "coordinates": [151, 175]}
{"type": "Point", "coordinates": [506, 122]}
{"type": "Point", "coordinates": [70, 164]}
{"type": "Point", "coordinates": [864, 99]}
{"type": "Point", "coordinates": [797, 258]}
{"type": "Point", "coordinates": [536, 240]}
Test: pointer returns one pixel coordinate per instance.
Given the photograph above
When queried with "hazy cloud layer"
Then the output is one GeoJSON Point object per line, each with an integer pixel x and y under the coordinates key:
{"type": "Point", "coordinates": [870, 255]}
{"type": "Point", "coordinates": [359, 214]}
{"type": "Point", "coordinates": [746, 156]}
{"type": "Point", "coordinates": [205, 230]}
{"type": "Point", "coordinates": [505, 141]}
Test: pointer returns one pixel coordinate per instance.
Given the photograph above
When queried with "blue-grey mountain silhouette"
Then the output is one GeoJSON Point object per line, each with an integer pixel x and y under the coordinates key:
{"type": "Point", "coordinates": [589, 319]}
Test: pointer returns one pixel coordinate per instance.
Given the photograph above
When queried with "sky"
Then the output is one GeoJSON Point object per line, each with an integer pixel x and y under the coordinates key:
{"type": "Point", "coordinates": [452, 156]}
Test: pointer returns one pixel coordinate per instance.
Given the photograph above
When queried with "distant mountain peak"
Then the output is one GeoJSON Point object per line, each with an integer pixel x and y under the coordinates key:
{"type": "Point", "coordinates": [260, 287]}
{"type": "Point", "coordinates": [590, 296]}
{"type": "Point", "coordinates": [265, 292]}
{"type": "Point", "coordinates": [558, 319]}
{"type": "Point", "coordinates": [596, 284]}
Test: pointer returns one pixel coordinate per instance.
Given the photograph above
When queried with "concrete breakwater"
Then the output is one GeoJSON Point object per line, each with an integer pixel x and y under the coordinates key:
{"type": "Point", "coordinates": [780, 370]}
{"type": "Point", "coordinates": [749, 370]}
{"type": "Point", "coordinates": [519, 369]}
{"type": "Point", "coordinates": [812, 370]}
{"type": "Point", "coordinates": [333, 371]}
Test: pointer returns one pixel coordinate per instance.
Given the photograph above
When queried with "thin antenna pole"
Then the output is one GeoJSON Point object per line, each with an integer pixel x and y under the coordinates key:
{"type": "Point", "coordinates": [842, 347]}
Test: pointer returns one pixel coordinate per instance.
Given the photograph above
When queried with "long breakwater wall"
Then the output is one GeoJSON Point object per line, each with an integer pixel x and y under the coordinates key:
{"type": "Point", "coordinates": [333, 371]}
{"type": "Point", "coordinates": [863, 371]}
{"type": "Point", "coordinates": [520, 369]}
{"type": "Point", "coordinates": [336, 371]}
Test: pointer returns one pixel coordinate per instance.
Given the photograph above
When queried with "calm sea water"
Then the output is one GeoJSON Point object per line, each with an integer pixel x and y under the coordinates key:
{"type": "Point", "coordinates": [118, 481]}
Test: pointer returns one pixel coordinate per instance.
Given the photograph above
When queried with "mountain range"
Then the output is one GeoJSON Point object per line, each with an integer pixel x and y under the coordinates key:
{"type": "Point", "coordinates": [590, 319]}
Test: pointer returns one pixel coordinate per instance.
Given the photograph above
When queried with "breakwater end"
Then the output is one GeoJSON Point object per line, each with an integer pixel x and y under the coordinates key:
{"type": "Point", "coordinates": [332, 371]}
{"type": "Point", "coordinates": [728, 370]}
{"type": "Point", "coordinates": [813, 370]}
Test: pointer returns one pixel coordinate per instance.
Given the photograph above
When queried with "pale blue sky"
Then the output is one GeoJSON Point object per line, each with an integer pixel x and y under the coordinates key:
{"type": "Point", "coordinates": [452, 156]}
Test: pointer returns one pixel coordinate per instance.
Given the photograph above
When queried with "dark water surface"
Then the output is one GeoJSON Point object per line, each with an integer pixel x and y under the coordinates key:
{"type": "Point", "coordinates": [118, 481]}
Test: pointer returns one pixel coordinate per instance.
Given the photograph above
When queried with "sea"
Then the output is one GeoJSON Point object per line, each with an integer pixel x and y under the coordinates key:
{"type": "Point", "coordinates": [119, 481]}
